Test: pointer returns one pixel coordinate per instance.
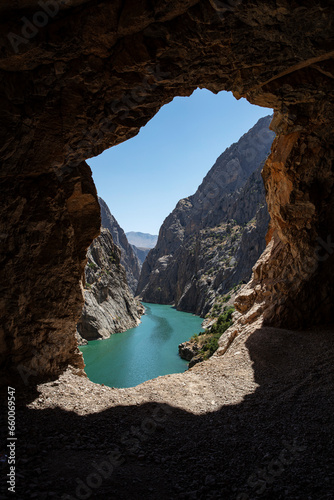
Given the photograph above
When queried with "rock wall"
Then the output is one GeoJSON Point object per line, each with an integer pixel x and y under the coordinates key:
{"type": "Point", "coordinates": [109, 304]}
{"type": "Point", "coordinates": [47, 224]}
{"type": "Point", "coordinates": [129, 258]}
{"type": "Point", "coordinates": [211, 241]}
{"type": "Point", "coordinates": [290, 283]}
{"type": "Point", "coordinates": [87, 76]}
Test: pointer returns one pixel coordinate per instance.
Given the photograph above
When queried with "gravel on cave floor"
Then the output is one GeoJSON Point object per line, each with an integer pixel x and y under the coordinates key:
{"type": "Point", "coordinates": [255, 423]}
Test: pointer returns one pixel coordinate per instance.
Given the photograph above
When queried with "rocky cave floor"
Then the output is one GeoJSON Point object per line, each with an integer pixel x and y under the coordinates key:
{"type": "Point", "coordinates": [255, 423]}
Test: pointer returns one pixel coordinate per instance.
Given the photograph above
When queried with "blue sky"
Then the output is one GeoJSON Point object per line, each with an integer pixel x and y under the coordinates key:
{"type": "Point", "coordinates": [142, 179]}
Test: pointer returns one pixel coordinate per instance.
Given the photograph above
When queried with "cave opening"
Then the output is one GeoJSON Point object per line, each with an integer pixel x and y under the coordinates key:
{"type": "Point", "coordinates": [67, 94]}
{"type": "Point", "coordinates": [82, 92]}
{"type": "Point", "coordinates": [169, 157]}
{"type": "Point", "coordinates": [205, 151]}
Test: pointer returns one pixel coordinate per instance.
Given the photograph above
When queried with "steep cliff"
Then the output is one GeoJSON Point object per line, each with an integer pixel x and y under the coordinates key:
{"type": "Point", "coordinates": [109, 304]}
{"type": "Point", "coordinates": [129, 258]}
{"type": "Point", "coordinates": [212, 239]}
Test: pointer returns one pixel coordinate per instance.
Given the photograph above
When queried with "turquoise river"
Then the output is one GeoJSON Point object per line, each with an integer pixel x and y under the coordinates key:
{"type": "Point", "coordinates": [142, 353]}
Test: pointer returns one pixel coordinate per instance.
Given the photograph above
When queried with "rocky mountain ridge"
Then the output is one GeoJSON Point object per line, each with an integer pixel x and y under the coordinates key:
{"type": "Point", "coordinates": [142, 240]}
{"type": "Point", "coordinates": [129, 258]}
{"type": "Point", "coordinates": [109, 304]}
{"type": "Point", "coordinates": [211, 240]}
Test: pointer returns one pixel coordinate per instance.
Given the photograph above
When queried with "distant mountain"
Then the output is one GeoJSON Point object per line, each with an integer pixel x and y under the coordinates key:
{"type": "Point", "coordinates": [129, 259]}
{"type": "Point", "coordinates": [141, 253]}
{"type": "Point", "coordinates": [210, 242]}
{"type": "Point", "coordinates": [142, 240]}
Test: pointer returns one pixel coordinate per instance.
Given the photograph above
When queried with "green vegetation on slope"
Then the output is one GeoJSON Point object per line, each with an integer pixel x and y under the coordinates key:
{"type": "Point", "coordinates": [208, 340]}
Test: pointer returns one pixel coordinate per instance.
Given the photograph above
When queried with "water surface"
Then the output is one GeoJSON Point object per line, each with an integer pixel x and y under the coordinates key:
{"type": "Point", "coordinates": [142, 353]}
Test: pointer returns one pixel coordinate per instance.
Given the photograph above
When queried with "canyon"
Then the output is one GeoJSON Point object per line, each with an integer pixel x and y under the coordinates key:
{"type": "Point", "coordinates": [109, 304]}
{"type": "Point", "coordinates": [210, 242]}
{"type": "Point", "coordinates": [205, 250]}
{"type": "Point", "coordinates": [257, 417]}
{"type": "Point", "coordinates": [89, 85]}
{"type": "Point", "coordinates": [129, 258]}
{"type": "Point", "coordinates": [141, 253]}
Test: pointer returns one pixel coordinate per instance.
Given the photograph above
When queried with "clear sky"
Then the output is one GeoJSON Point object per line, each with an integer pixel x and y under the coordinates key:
{"type": "Point", "coordinates": [142, 179]}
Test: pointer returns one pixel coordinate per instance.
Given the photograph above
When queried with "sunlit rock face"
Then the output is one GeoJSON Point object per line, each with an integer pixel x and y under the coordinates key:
{"type": "Point", "coordinates": [212, 239]}
{"type": "Point", "coordinates": [109, 304]}
{"type": "Point", "coordinates": [128, 257]}
{"type": "Point", "coordinates": [78, 77]}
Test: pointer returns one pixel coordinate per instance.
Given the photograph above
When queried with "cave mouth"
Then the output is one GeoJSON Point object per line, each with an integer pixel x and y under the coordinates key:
{"type": "Point", "coordinates": [64, 98]}
{"type": "Point", "coordinates": [141, 181]}
{"type": "Point", "coordinates": [143, 178]}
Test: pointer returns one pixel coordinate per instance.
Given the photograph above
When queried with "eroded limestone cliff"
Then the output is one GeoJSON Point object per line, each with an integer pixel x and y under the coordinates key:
{"type": "Point", "coordinates": [109, 304]}
{"type": "Point", "coordinates": [129, 258]}
{"type": "Point", "coordinates": [88, 77]}
{"type": "Point", "coordinates": [211, 241]}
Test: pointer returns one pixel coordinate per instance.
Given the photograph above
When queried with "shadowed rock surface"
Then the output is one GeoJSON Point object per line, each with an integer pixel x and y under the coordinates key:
{"type": "Point", "coordinates": [129, 259]}
{"type": "Point", "coordinates": [109, 304]}
{"type": "Point", "coordinates": [211, 240]}
{"type": "Point", "coordinates": [90, 78]}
